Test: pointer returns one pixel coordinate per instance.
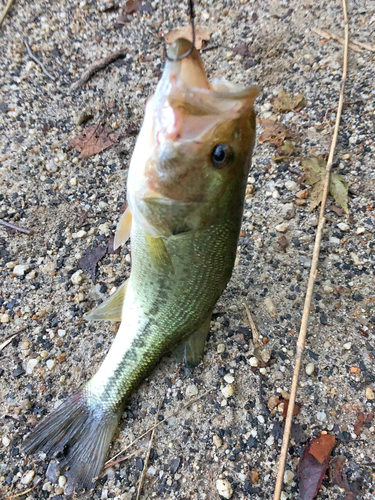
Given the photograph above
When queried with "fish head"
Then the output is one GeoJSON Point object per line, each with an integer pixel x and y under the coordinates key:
{"type": "Point", "coordinates": [193, 153]}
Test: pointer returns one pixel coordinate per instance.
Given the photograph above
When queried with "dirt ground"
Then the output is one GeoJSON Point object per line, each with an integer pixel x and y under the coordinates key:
{"type": "Point", "coordinates": [72, 203]}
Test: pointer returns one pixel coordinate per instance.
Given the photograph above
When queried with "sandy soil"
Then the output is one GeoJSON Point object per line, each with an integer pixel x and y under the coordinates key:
{"type": "Point", "coordinates": [71, 203]}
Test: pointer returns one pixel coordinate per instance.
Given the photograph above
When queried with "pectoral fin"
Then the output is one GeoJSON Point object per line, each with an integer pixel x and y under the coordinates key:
{"type": "Point", "coordinates": [123, 229]}
{"type": "Point", "coordinates": [159, 254]}
{"type": "Point", "coordinates": [191, 351]}
{"type": "Point", "coordinates": [111, 308]}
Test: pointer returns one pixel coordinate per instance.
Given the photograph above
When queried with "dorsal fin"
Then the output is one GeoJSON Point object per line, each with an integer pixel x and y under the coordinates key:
{"type": "Point", "coordinates": [111, 308]}
{"type": "Point", "coordinates": [123, 229]}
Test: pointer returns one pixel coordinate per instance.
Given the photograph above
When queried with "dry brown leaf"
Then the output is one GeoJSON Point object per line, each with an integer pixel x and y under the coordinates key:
{"type": "Point", "coordinates": [315, 173]}
{"type": "Point", "coordinates": [296, 409]}
{"type": "Point", "coordinates": [133, 6]}
{"type": "Point", "coordinates": [93, 140]}
{"type": "Point", "coordinates": [285, 102]}
{"type": "Point", "coordinates": [202, 35]}
{"type": "Point", "coordinates": [321, 447]}
{"type": "Point", "coordinates": [273, 132]}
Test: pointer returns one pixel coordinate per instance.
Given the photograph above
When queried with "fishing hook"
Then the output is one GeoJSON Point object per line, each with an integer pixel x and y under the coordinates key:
{"type": "Point", "coordinates": [187, 53]}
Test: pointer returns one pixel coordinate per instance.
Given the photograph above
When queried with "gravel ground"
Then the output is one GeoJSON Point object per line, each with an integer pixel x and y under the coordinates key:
{"type": "Point", "coordinates": [71, 203]}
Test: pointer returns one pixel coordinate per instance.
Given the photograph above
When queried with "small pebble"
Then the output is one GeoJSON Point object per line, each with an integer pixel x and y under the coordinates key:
{"type": "Point", "coordinates": [5, 318]}
{"type": "Point", "coordinates": [62, 481]}
{"type": "Point", "coordinates": [228, 390]}
{"type": "Point", "coordinates": [291, 185]}
{"type": "Point", "coordinates": [270, 441]}
{"type": "Point", "coordinates": [28, 477]}
{"type": "Point", "coordinates": [73, 181]}
{"type": "Point", "coordinates": [260, 419]}
{"type": "Point", "coordinates": [31, 364]}
{"type": "Point", "coordinates": [347, 346]}
{"type": "Point", "coordinates": [370, 393]}
{"type": "Point", "coordinates": [6, 441]}
{"type": "Point", "coordinates": [253, 361]}
{"type": "Point", "coordinates": [310, 368]}
{"type": "Point", "coordinates": [282, 228]}
{"type": "Point", "coordinates": [288, 477]}
{"type": "Point", "coordinates": [51, 363]}
{"type": "Point", "coordinates": [217, 441]}
{"type": "Point", "coordinates": [224, 488]}
{"type": "Point", "coordinates": [361, 230]}
{"type": "Point", "coordinates": [191, 390]}
{"type": "Point", "coordinates": [76, 278]}
{"type": "Point", "coordinates": [270, 306]}
{"type": "Point", "coordinates": [220, 348]}
{"type": "Point", "coordinates": [322, 416]}
{"type": "Point", "coordinates": [229, 379]}
{"type": "Point", "coordinates": [20, 269]}
{"type": "Point", "coordinates": [343, 227]}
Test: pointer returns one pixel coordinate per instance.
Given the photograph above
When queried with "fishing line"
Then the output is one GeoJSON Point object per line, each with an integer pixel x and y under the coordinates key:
{"type": "Point", "coordinates": [186, 54]}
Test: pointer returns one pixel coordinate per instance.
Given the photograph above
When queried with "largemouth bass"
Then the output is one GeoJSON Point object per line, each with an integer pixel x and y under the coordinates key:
{"type": "Point", "coordinates": [185, 192]}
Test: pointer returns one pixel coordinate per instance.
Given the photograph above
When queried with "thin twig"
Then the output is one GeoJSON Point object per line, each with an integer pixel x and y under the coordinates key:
{"type": "Point", "coordinates": [174, 414]}
{"type": "Point", "coordinates": [97, 66]}
{"type": "Point", "coordinates": [119, 460]}
{"type": "Point", "coordinates": [13, 226]}
{"type": "Point", "coordinates": [26, 491]}
{"type": "Point", "coordinates": [254, 329]}
{"type": "Point", "coordinates": [147, 456]}
{"type": "Point", "coordinates": [5, 11]}
{"type": "Point", "coordinates": [10, 337]}
{"type": "Point", "coordinates": [354, 45]}
{"type": "Point", "coordinates": [313, 271]}
{"type": "Point", "coordinates": [31, 55]}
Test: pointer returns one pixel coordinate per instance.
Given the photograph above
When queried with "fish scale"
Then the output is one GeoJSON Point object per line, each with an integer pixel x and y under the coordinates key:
{"type": "Point", "coordinates": [185, 190]}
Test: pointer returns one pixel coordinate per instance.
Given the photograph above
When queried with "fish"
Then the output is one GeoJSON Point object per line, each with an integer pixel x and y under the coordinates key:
{"type": "Point", "coordinates": [185, 192]}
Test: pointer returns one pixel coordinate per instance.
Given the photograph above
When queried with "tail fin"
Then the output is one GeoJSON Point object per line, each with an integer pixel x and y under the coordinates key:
{"type": "Point", "coordinates": [80, 430]}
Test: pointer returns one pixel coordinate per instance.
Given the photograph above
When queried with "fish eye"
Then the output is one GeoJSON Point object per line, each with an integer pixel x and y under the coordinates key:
{"type": "Point", "coordinates": [220, 155]}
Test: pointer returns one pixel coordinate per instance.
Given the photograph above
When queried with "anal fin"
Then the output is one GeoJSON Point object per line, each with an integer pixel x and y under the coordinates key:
{"type": "Point", "coordinates": [111, 308]}
{"type": "Point", "coordinates": [191, 351]}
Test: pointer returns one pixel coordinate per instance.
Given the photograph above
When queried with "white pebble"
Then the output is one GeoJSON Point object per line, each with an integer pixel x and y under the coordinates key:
{"type": "Point", "coordinates": [151, 471]}
{"type": "Point", "coordinates": [228, 390]}
{"type": "Point", "coordinates": [6, 441]}
{"type": "Point", "coordinates": [62, 481]}
{"type": "Point", "coordinates": [20, 269]}
{"type": "Point", "coordinates": [80, 234]}
{"type": "Point", "coordinates": [224, 488]}
{"type": "Point", "coordinates": [288, 477]}
{"type": "Point", "coordinates": [28, 477]}
{"type": "Point", "coordinates": [61, 333]}
{"type": "Point", "coordinates": [220, 348]}
{"type": "Point", "coordinates": [217, 441]}
{"type": "Point", "coordinates": [191, 390]}
{"type": "Point", "coordinates": [270, 306]}
{"type": "Point", "coordinates": [229, 379]}
{"type": "Point", "coordinates": [51, 363]}
{"type": "Point", "coordinates": [347, 346]}
{"type": "Point", "coordinates": [282, 228]}
{"type": "Point", "coordinates": [260, 419]}
{"type": "Point", "coordinates": [343, 227]}
{"type": "Point", "coordinates": [103, 204]}
{"type": "Point", "coordinates": [361, 230]}
{"type": "Point", "coordinates": [31, 364]}
{"type": "Point", "coordinates": [310, 368]}
{"type": "Point", "coordinates": [73, 181]}
{"type": "Point", "coordinates": [270, 441]}
{"type": "Point", "coordinates": [5, 318]}
{"type": "Point", "coordinates": [321, 415]}
{"type": "Point", "coordinates": [76, 278]}
{"type": "Point", "coordinates": [291, 186]}
{"type": "Point", "coordinates": [253, 361]}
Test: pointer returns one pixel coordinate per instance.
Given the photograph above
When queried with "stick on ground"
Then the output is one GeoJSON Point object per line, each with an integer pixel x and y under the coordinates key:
{"type": "Point", "coordinates": [10, 337]}
{"type": "Point", "coordinates": [13, 226]}
{"type": "Point", "coordinates": [148, 455]}
{"type": "Point", "coordinates": [35, 59]}
{"type": "Point", "coordinates": [5, 11]}
{"type": "Point", "coordinates": [313, 272]}
{"type": "Point", "coordinates": [97, 66]}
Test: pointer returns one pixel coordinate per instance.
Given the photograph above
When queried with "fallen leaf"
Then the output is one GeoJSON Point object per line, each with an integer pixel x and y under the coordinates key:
{"type": "Point", "coordinates": [310, 470]}
{"type": "Point", "coordinates": [242, 49]}
{"type": "Point", "coordinates": [337, 210]}
{"type": "Point", "coordinates": [296, 409]}
{"type": "Point", "coordinates": [315, 173]}
{"type": "Point", "coordinates": [93, 140]}
{"type": "Point", "coordinates": [283, 242]}
{"type": "Point", "coordinates": [90, 259]}
{"type": "Point", "coordinates": [133, 6]}
{"type": "Point", "coordinates": [362, 419]}
{"type": "Point", "coordinates": [321, 447]}
{"type": "Point", "coordinates": [202, 35]}
{"type": "Point", "coordinates": [284, 151]}
{"type": "Point", "coordinates": [285, 102]}
{"type": "Point", "coordinates": [273, 132]}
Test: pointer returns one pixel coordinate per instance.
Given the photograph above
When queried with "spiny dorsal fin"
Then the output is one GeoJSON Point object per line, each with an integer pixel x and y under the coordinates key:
{"type": "Point", "coordinates": [159, 254]}
{"type": "Point", "coordinates": [123, 229]}
{"type": "Point", "coordinates": [111, 308]}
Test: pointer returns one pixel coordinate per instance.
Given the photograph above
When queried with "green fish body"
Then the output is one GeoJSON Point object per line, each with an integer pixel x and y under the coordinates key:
{"type": "Point", "coordinates": [186, 188]}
